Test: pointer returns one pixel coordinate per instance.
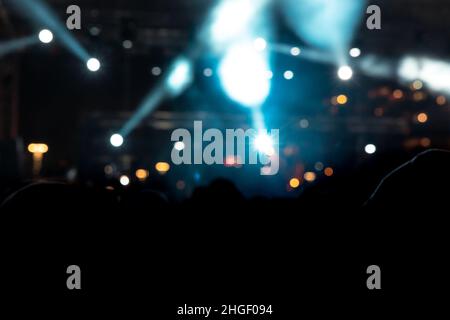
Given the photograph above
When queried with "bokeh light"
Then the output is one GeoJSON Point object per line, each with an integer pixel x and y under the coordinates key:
{"type": "Point", "coordinates": [294, 183]}
{"type": "Point", "coordinates": [162, 167]}
{"type": "Point", "coordinates": [45, 36]}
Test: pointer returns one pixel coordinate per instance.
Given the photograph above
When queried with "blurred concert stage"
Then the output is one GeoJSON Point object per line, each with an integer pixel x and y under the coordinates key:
{"type": "Point", "coordinates": [334, 134]}
{"type": "Point", "coordinates": [88, 177]}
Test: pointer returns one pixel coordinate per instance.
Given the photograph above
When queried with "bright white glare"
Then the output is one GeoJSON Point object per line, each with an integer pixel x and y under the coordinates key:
{"type": "Point", "coordinates": [345, 73]}
{"type": "Point", "coordinates": [263, 143]}
{"type": "Point", "coordinates": [179, 146]}
{"type": "Point", "coordinates": [269, 74]}
{"type": "Point", "coordinates": [289, 75]}
{"type": "Point", "coordinates": [260, 44]}
{"type": "Point", "coordinates": [93, 64]}
{"type": "Point", "coordinates": [435, 73]}
{"type": "Point", "coordinates": [370, 149]}
{"type": "Point", "coordinates": [230, 19]}
{"type": "Point", "coordinates": [355, 52]}
{"type": "Point", "coordinates": [124, 180]}
{"type": "Point", "coordinates": [243, 74]}
{"type": "Point", "coordinates": [116, 140]}
{"type": "Point", "coordinates": [180, 76]}
{"type": "Point", "coordinates": [409, 68]}
{"type": "Point", "coordinates": [295, 51]}
{"type": "Point", "coordinates": [45, 36]}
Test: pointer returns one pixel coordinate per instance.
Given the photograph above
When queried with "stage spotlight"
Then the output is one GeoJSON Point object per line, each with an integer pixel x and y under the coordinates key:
{"type": "Point", "coordinates": [45, 36]}
{"type": "Point", "coordinates": [260, 44]}
{"type": "Point", "coordinates": [328, 25]}
{"type": "Point", "coordinates": [370, 149]}
{"type": "Point", "coordinates": [93, 64]}
{"type": "Point", "coordinates": [355, 52]}
{"type": "Point", "coordinates": [231, 18]}
{"type": "Point", "coordinates": [345, 73]}
{"type": "Point", "coordinates": [243, 74]}
{"type": "Point", "coordinates": [295, 51]}
{"type": "Point", "coordinates": [40, 13]}
{"type": "Point", "coordinates": [124, 180]}
{"type": "Point", "coordinates": [289, 75]}
{"type": "Point", "coordinates": [180, 76]}
{"type": "Point", "coordinates": [263, 143]}
{"type": "Point", "coordinates": [116, 140]}
{"type": "Point", "coordinates": [179, 146]}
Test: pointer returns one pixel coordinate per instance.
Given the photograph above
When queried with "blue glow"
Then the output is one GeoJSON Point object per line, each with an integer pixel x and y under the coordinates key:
{"type": "Point", "coordinates": [326, 24]}
{"type": "Point", "coordinates": [149, 103]}
{"type": "Point", "coordinates": [180, 76]}
{"type": "Point", "coordinates": [14, 45]}
{"type": "Point", "coordinates": [264, 144]}
{"type": "Point", "coordinates": [234, 19]}
{"type": "Point", "coordinates": [41, 14]}
{"type": "Point", "coordinates": [231, 18]}
{"type": "Point", "coordinates": [243, 74]}
{"type": "Point", "coordinates": [116, 140]}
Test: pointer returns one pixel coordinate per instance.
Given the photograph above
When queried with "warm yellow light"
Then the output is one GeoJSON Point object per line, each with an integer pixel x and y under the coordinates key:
{"type": "Point", "coordinates": [397, 94]}
{"type": "Point", "coordinates": [310, 176]}
{"type": "Point", "coordinates": [38, 148]}
{"type": "Point", "coordinates": [329, 172]}
{"type": "Point", "coordinates": [162, 167]}
{"type": "Point", "coordinates": [422, 117]}
{"type": "Point", "coordinates": [441, 100]}
{"type": "Point", "coordinates": [294, 183]}
{"type": "Point", "coordinates": [342, 99]}
{"type": "Point", "coordinates": [141, 174]}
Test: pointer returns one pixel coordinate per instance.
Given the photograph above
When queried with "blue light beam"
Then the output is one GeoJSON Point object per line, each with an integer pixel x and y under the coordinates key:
{"type": "Point", "coordinates": [14, 45]}
{"type": "Point", "coordinates": [325, 24]}
{"type": "Point", "coordinates": [42, 15]}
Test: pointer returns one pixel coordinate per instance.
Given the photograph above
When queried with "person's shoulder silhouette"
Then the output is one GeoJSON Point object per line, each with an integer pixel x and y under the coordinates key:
{"type": "Point", "coordinates": [423, 182]}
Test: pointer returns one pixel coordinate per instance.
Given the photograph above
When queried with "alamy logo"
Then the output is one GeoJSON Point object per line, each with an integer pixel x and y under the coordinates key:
{"type": "Point", "coordinates": [74, 20]}
{"type": "Point", "coordinates": [214, 147]}
{"type": "Point", "coordinates": [74, 280]}
{"type": "Point", "coordinates": [374, 280]}
{"type": "Point", "coordinates": [374, 20]}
